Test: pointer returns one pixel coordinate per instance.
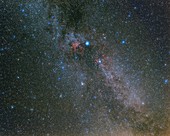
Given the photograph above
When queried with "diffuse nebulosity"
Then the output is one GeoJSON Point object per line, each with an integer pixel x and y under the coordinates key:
{"type": "Point", "coordinates": [84, 68]}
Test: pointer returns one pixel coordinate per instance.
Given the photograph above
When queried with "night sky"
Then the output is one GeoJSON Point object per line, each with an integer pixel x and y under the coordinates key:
{"type": "Point", "coordinates": [84, 68]}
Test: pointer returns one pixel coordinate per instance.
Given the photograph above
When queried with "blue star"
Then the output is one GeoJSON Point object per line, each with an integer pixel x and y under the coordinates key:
{"type": "Point", "coordinates": [22, 10]}
{"type": "Point", "coordinates": [129, 15]}
{"type": "Point", "coordinates": [87, 43]}
{"type": "Point", "coordinates": [123, 41]}
{"type": "Point", "coordinates": [99, 61]}
{"type": "Point", "coordinates": [13, 36]}
{"type": "Point", "coordinates": [94, 97]}
{"type": "Point", "coordinates": [75, 57]}
{"type": "Point", "coordinates": [49, 22]}
{"type": "Point", "coordinates": [166, 81]}
{"type": "Point", "coordinates": [135, 7]}
{"type": "Point", "coordinates": [62, 67]}
{"type": "Point", "coordinates": [2, 49]}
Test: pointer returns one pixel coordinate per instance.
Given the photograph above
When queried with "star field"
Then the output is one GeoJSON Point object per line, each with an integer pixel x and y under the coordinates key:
{"type": "Point", "coordinates": [84, 68]}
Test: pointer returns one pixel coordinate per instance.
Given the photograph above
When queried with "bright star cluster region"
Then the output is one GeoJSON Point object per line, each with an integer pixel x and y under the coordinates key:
{"type": "Point", "coordinates": [84, 68]}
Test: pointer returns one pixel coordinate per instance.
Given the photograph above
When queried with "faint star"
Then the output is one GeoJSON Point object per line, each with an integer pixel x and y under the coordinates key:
{"type": "Point", "coordinates": [22, 10]}
{"type": "Point", "coordinates": [94, 97]}
{"type": "Point", "coordinates": [61, 96]}
{"type": "Point", "coordinates": [166, 81]}
{"type": "Point", "coordinates": [82, 83]}
{"type": "Point", "coordinates": [62, 67]}
{"type": "Point", "coordinates": [12, 106]}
